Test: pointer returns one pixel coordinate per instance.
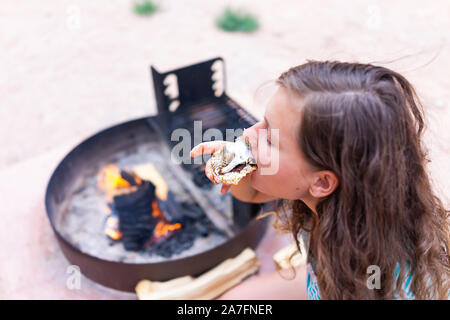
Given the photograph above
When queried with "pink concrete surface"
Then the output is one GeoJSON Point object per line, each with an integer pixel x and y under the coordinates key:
{"type": "Point", "coordinates": [71, 68]}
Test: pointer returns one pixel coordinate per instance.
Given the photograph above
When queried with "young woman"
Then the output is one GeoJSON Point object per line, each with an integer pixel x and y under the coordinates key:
{"type": "Point", "coordinates": [352, 179]}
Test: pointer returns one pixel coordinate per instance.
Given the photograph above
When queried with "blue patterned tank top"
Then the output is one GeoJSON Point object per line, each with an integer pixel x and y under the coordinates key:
{"type": "Point", "coordinates": [312, 286]}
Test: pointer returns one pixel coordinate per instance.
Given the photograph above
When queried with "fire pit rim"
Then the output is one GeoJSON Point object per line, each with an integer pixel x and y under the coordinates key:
{"type": "Point", "coordinates": [88, 255]}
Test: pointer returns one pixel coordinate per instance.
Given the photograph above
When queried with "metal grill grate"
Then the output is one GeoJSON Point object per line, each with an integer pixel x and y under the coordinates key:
{"type": "Point", "coordinates": [203, 105]}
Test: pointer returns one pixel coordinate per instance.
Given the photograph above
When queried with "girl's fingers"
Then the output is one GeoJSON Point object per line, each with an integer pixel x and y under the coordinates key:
{"type": "Point", "coordinates": [225, 188]}
{"type": "Point", "coordinates": [206, 147]}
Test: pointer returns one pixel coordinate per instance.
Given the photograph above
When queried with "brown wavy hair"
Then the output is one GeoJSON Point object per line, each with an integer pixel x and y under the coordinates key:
{"type": "Point", "coordinates": [365, 123]}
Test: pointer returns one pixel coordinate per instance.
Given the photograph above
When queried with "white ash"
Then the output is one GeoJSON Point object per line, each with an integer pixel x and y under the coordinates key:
{"type": "Point", "coordinates": [82, 222]}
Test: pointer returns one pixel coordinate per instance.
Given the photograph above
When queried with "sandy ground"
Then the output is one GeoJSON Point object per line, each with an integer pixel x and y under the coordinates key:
{"type": "Point", "coordinates": [72, 68]}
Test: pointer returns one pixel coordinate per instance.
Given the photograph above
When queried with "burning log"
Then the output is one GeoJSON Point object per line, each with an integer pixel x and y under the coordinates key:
{"type": "Point", "coordinates": [207, 286]}
{"type": "Point", "coordinates": [173, 211]}
{"type": "Point", "coordinates": [135, 216]}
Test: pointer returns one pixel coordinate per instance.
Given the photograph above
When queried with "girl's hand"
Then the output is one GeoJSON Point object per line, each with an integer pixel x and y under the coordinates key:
{"type": "Point", "coordinates": [209, 148]}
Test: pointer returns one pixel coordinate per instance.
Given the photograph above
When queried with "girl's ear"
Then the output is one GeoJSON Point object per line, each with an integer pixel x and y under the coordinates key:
{"type": "Point", "coordinates": [324, 183]}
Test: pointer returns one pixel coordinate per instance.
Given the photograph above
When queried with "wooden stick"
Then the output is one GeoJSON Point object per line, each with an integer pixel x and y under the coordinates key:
{"type": "Point", "coordinates": [207, 286]}
{"type": "Point", "coordinates": [289, 256]}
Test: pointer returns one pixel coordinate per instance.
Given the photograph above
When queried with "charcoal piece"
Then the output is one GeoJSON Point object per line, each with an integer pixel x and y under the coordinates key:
{"type": "Point", "coordinates": [195, 225]}
{"type": "Point", "coordinates": [178, 250]}
{"type": "Point", "coordinates": [162, 249]}
{"type": "Point", "coordinates": [132, 244]}
{"type": "Point", "coordinates": [174, 247]}
{"type": "Point", "coordinates": [165, 254]}
{"type": "Point", "coordinates": [191, 236]}
{"type": "Point", "coordinates": [202, 230]}
{"type": "Point", "coordinates": [186, 245]}
{"type": "Point", "coordinates": [181, 236]}
{"type": "Point", "coordinates": [146, 192]}
{"type": "Point", "coordinates": [172, 210]}
{"type": "Point", "coordinates": [129, 177]}
{"type": "Point", "coordinates": [186, 236]}
{"type": "Point", "coordinates": [201, 181]}
{"type": "Point", "coordinates": [192, 210]}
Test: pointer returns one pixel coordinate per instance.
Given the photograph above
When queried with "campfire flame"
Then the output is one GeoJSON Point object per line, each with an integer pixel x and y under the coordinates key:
{"type": "Point", "coordinates": [162, 227]}
{"type": "Point", "coordinates": [112, 183]}
{"type": "Point", "coordinates": [112, 228]}
{"type": "Point", "coordinates": [110, 180]}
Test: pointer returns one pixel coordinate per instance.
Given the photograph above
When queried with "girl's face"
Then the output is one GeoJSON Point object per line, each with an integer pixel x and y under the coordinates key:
{"type": "Point", "coordinates": [282, 172]}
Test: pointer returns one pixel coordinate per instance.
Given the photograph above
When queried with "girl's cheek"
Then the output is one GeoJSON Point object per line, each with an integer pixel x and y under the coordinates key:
{"type": "Point", "coordinates": [265, 150]}
{"type": "Point", "coordinates": [267, 163]}
{"type": "Point", "coordinates": [264, 154]}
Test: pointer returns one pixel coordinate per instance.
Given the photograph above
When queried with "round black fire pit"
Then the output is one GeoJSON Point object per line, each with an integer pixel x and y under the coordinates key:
{"type": "Point", "coordinates": [83, 163]}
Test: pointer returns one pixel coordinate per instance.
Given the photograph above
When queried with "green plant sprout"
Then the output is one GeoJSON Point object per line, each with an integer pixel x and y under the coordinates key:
{"type": "Point", "coordinates": [237, 20]}
{"type": "Point", "coordinates": [145, 8]}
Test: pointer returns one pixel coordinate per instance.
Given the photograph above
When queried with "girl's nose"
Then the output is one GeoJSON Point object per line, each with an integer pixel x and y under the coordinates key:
{"type": "Point", "coordinates": [252, 134]}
